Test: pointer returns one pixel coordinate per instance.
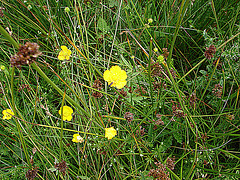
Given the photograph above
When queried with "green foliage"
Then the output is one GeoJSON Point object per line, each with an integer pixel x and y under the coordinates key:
{"type": "Point", "coordinates": [184, 107]}
{"type": "Point", "coordinates": [102, 25]}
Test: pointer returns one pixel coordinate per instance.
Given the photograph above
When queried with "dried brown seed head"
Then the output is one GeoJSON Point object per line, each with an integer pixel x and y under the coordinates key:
{"type": "Point", "coordinates": [26, 55]}
{"type": "Point", "coordinates": [210, 51]}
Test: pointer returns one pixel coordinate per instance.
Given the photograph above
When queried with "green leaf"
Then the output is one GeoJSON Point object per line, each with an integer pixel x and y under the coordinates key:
{"type": "Point", "coordinates": [150, 133]}
{"type": "Point", "coordinates": [102, 25]}
{"type": "Point", "coordinates": [203, 72]}
{"type": "Point", "coordinates": [165, 144]}
{"type": "Point", "coordinates": [52, 169]}
{"type": "Point", "coordinates": [178, 136]}
{"type": "Point", "coordinates": [112, 3]}
{"type": "Point", "coordinates": [84, 177]}
{"type": "Point", "coordinates": [126, 62]}
{"type": "Point", "coordinates": [138, 98]}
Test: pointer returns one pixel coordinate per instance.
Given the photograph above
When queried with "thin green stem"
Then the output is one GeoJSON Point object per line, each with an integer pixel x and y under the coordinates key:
{"type": "Point", "coordinates": [209, 81]}
{"type": "Point", "coordinates": [70, 100]}
{"type": "Point", "coordinates": [15, 44]}
{"type": "Point", "coordinates": [149, 70]}
{"type": "Point", "coordinates": [8, 37]}
{"type": "Point", "coordinates": [61, 134]}
{"type": "Point", "coordinates": [16, 120]}
{"type": "Point", "coordinates": [174, 84]}
{"type": "Point", "coordinates": [179, 21]}
{"type": "Point", "coordinates": [215, 16]}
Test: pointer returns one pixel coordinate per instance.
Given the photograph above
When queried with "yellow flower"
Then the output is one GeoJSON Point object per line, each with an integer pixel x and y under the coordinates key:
{"type": "Point", "coordinates": [64, 53]}
{"type": "Point", "coordinates": [7, 114]}
{"type": "Point", "coordinates": [116, 77]}
{"type": "Point", "coordinates": [77, 138]}
{"type": "Point", "coordinates": [110, 132]}
{"type": "Point", "coordinates": [67, 113]}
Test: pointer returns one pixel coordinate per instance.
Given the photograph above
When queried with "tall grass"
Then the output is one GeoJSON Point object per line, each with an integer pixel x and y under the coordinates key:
{"type": "Point", "coordinates": [177, 117]}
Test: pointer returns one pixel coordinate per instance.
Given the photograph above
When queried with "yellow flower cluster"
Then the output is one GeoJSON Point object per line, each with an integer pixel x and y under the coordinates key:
{"type": "Point", "coordinates": [67, 113]}
{"type": "Point", "coordinates": [65, 53]}
{"type": "Point", "coordinates": [116, 77]}
{"type": "Point", "coordinates": [110, 132]}
{"type": "Point", "coordinates": [7, 114]}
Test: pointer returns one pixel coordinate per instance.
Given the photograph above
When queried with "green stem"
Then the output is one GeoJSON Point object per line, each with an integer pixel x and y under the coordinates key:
{"type": "Point", "coordinates": [8, 37]}
{"type": "Point", "coordinates": [61, 134]}
{"type": "Point", "coordinates": [179, 21]}
{"type": "Point", "coordinates": [70, 100]}
{"type": "Point", "coordinates": [15, 44]}
{"type": "Point", "coordinates": [149, 70]}
{"type": "Point", "coordinates": [209, 81]}
{"type": "Point", "coordinates": [17, 122]}
{"type": "Point", "coordinates": [183, 9]}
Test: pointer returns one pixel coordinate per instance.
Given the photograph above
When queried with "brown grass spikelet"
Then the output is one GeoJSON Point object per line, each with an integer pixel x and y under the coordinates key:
{"type": "Point", "coordinates": [31, 174]}
{"type": "Point", "coordinates": [210, 51]}
{"type": "Point", "coordinates": [97, 85]}
{"type": "Point", "coordinates": [26, 54]}
{"type": "Point", "coordinates": [62, 167]}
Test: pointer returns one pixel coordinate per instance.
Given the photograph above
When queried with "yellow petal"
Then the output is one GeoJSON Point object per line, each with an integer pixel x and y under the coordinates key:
{"type": "Point", "coordinates": [107, 76]}
{"type": "Point", "coordinates": [61, 57]}
{"type": "Point", "coordinates": [67, 113]}
{"type": "Point", "coordinates": [64, 48]}
{"type": "Point", "coordinates": [115, 68]}
{"type": "Point", "coordinates": [123, 75]}
{"type": "Point", "coordinates": [69, 52]}
{"type": "Point", "coordinates": [74, 140]}
{"type": "Point", "coordinates": [76, 135]}
{"type": "Point", "coordinates": [121, 84]}
{"type": "Point", "coordinates": [67, 57]}
{"type": "Point", "coordinates": [110, 133]}
{"type": "Point", "coordinates": [116, 77]}
{"type": "Point", "coordinates": [7, 114]}
{"type": "Point", "coordinates": [68, 118]}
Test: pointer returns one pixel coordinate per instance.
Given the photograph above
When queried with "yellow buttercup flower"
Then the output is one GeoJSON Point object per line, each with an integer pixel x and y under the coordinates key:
{"type": "Point", "coordinates": [77, 138]}
{"type": "Point", "coordinates": [65, 53]}
{"type": "Point", "coordinates": [7, 114]}
{"type": "Point", "coordinates": [116, 77]}
{"type": "Point", "coordinates": [110, 132]}
{"type": "Point", "coordinates": [67, 113]}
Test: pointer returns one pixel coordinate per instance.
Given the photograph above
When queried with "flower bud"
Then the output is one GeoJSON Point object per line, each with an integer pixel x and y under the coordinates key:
{"type": "Point", "coordinates": [150, 20]}
{"type": "Point", "coordinates": [161, 59]}
{"type": "Point", "coordinates": [67, 10]}
{"type": "Point", "coordinates": [2, 67]}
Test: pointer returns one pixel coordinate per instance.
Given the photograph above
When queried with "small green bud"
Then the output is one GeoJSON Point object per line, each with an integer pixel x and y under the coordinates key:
{"type": "Point", "coordinates": [147, 25]}
{"type": "Point", "coordinates": [29, 7]}
{"type": "Point", "coordinates": [2, 67]}
{"type": "Point", "coordinates": [67, 10]}
{"type": "Point", "coordinates": [155, 49]}
{"type": "Point", "coordinates": [150, 20]}
{"type": "Point", "coordinates": [161, 58]}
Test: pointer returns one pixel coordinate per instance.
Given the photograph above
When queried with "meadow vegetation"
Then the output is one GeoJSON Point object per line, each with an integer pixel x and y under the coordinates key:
{"type": "Point", "coordinates": [119, 89]}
